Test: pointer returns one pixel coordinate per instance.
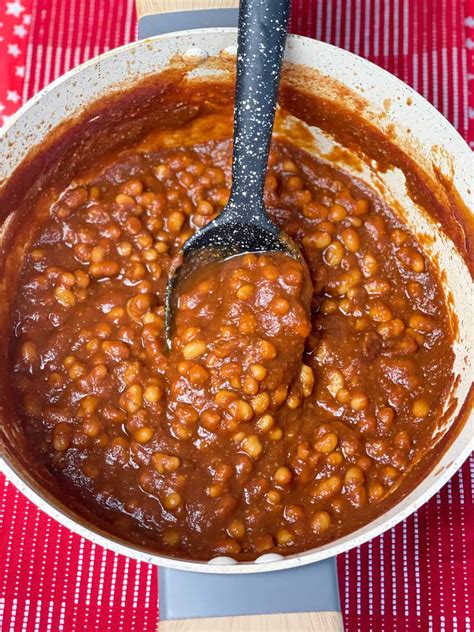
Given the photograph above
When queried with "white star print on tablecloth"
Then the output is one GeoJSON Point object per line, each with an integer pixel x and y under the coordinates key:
{"type": "Point", "coordinates": [15, 22]}
{"type": "Point", "coordinates": [15, 8]}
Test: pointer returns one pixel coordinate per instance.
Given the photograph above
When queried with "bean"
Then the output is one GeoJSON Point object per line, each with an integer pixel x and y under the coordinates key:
{"type": "Point", "coordinates": [293, 513]}
{"type": "Point", "coordinates": [186, 413]}
{"type": "Point", "coordinates": [421, 323]}
{"type": "Point", "coordinates": [361, 207]}
{"type": "Point", "coordinates": [328, 306]}
{"type": "Point", "coordinates": [249, 261]}
{"type": "Point", "coordinates": [335, 459]}
{"type": "Point", "coordinates": [337, 213]}
{"type": "Point", "coordinates": [163, 171]}
{"type": "Point", "coordinates": [124, 248]}
{"type": "Point", "coordinates": [369, 265]}
{"type": "Point", "coordinates": [265, 423]}
{"type": "Point", "coordinates": [250, 385]}
{"type": "Point", "coordinates": [283, 476]}
{"type": "Point", "coordinates": [165, 463]}
{"type": "Point", "coordinates": [247, 324]}
{"type": "Point", "coordinates": [236, 529]}
{"type": "Point", "coordinates": [268, 351]}
{"type": "Point", "coordinates": [215, 491]}
{"type": "Point", "coordinates": [293, 401]}
{"type": "Point", "coordinates": [170, 537]}
{"type": "Point", "coordinates": [327, 443]}
{"type": "Point", "coordinates": [143, 435]}
{"type": "Point", "coordinates": [347, 280]}
{"type": "Point", "coordinates": [132, 398]}
{"type": "Point", "coordinates": [270, 272]}
{"type": "Point", "coordinates": [379, 312]}
{"type": "Point", "coordinates": [335, 381]}
{"type": "Point", "coordinates": [91, 426]}
{"type": "Point", "coordinates": [64, 296]}
{"type": "Point", "coordinates": [320, 522]}
{"type": "Point", "coordinates": [386, 415]}
{"type": "Point", "coordinates": [389, 474]}
{"type": "Point", "coordinates": [258, 371]}
{"type": "Point", "coordinates": [252, 446]}
{"type": "Point", "coordinates": [314, 210]}
{"type": "Point", "coordinates": [273, 497]}
{"type": "Point", "coordinates": [420, 408]}
{"type": "Point", "coordinates": [91, 470]}
{"type": "Point", "coordinates": [223, 472]}
{"type": "Point", "coordinates": [240, 410]}
{"type": "Point", "coordinates": [74, 198]}
{"type": "Point", "coordinates": [289, 166]}
{"type": "Point", "coordinates": [318, 239]}
{"type": "Point", "coordinates": [172, 501]}
{"type": "Point", "coordinates": [153, 393]}
{"type": "Point", "coordinates": [76, 370]}
{"type": "Point", "coordinates": [98, 254]}
{"type": "Point", "coordinates": [333, 254]}
{"type": "Point", "coordinates": [194, 349]}
{"type": "Point", "coordinates": [327, 487]}
{"type": "Point", "coordinates": [88, 405]}
{"type": "Point", "coordinates": [276, 434]}
{"type": "Point", "coordinates": [306, 379]}
{"type": "Point", "coordinates": [294, 183]}
{"type": "Point", "coordinates": [402, 440]}
{"type": "Point", "coordinates": [391, 329]}
{"type": "Point", "coordinates": [280, 306]}
{"type": "Point", "coordinates": [205, 208]}
{"type": "Point", "coordinates": [354, 475]}
{"type": "Point", "coordinates": [133, 187]}
{"type": "Point", "coordinates": [198, 375]}
{"type": "Point", "coordinates": [124, 200]}
{"type": "Point", "coordinates": [210, 419]}
{"type": "Point", "coordinates": [260, 403]}
{"type": "Point", "coordinates": [343, 396]}
{"type": "Point", "coordinates": [224, 398]}
{"type": "Point", "coordinates": [376, 491]}
{"type": "Point", "coordinates": [82, 279]}
{"type": "Point", "coordinates": [104, 269]}
{"type": "Point", "coordinates": [245, 292]}
{"type": "Point", "coordinates": [359, 401]}
{"type": "Point", "coordinates": [62, 437]}
{"type": "Point", "coordinates": [351, 239]}
{"type": "Point", "coordinates": [29, 353]}
{"type": "Point", "coordinates": [411, 259]}
{"type": "Point", "coordinates": [398, 237]}
{"type": "Point", "coordinates": [176, 221]}
{"type": "Point", "coordinates": [284, 537]}
{"type": "Point", "coordinates": [264, 543]}
{"type": "Point", "coordinates": [116, 350]}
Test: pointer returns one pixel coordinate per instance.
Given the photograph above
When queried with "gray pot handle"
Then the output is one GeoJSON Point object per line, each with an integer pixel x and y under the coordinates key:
{"type": "Point", "coordinates": [156, 18]}
{"type": "Point", "coordinates": [305, 589]}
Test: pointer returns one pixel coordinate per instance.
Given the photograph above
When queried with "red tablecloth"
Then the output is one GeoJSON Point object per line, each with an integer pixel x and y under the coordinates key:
{"type": "Point", "coordinates": [419, 575]}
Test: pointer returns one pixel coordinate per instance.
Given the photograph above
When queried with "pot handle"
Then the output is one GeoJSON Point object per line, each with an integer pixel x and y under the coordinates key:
{"type": "Point", "coordinates": [304, 598]}
{"type": "Point", "coordinates": [156, 17]}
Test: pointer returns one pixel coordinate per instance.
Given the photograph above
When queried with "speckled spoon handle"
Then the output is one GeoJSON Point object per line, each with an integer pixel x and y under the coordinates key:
{"type": "Point", "coordinates": [262, 34]}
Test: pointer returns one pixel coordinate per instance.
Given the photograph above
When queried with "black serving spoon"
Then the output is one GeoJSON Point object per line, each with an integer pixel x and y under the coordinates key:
{"type": "Point", "coordinates": [244, 225]}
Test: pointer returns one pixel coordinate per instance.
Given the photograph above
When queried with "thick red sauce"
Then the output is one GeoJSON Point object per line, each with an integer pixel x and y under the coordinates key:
{"type": "Point", "coordinates": [265, 429]}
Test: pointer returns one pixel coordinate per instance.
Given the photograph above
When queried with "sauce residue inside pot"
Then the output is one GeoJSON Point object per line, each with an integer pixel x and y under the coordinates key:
{"type": "Point", "coordinates": [265, 430]}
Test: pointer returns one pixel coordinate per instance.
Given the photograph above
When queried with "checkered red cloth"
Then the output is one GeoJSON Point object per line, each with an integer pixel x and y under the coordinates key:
{"type": "Point", "coordinates": [419, 575]}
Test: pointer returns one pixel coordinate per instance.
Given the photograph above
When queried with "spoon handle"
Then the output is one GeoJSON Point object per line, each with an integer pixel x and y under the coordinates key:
{"type": "Point", "coordinates": [262, 34]}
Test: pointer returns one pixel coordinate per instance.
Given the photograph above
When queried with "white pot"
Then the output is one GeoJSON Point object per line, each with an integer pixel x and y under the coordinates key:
{"type": "Point", "coordinates": [393, 107]}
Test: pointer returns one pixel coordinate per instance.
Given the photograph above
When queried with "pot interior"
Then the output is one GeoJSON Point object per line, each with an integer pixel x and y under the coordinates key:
{"type": "Point", "coordinates": [334, 106]}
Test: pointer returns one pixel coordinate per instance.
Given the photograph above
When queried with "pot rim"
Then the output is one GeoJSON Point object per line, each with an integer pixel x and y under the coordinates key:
{"type": "Point", "coordinates": [455, 455]}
